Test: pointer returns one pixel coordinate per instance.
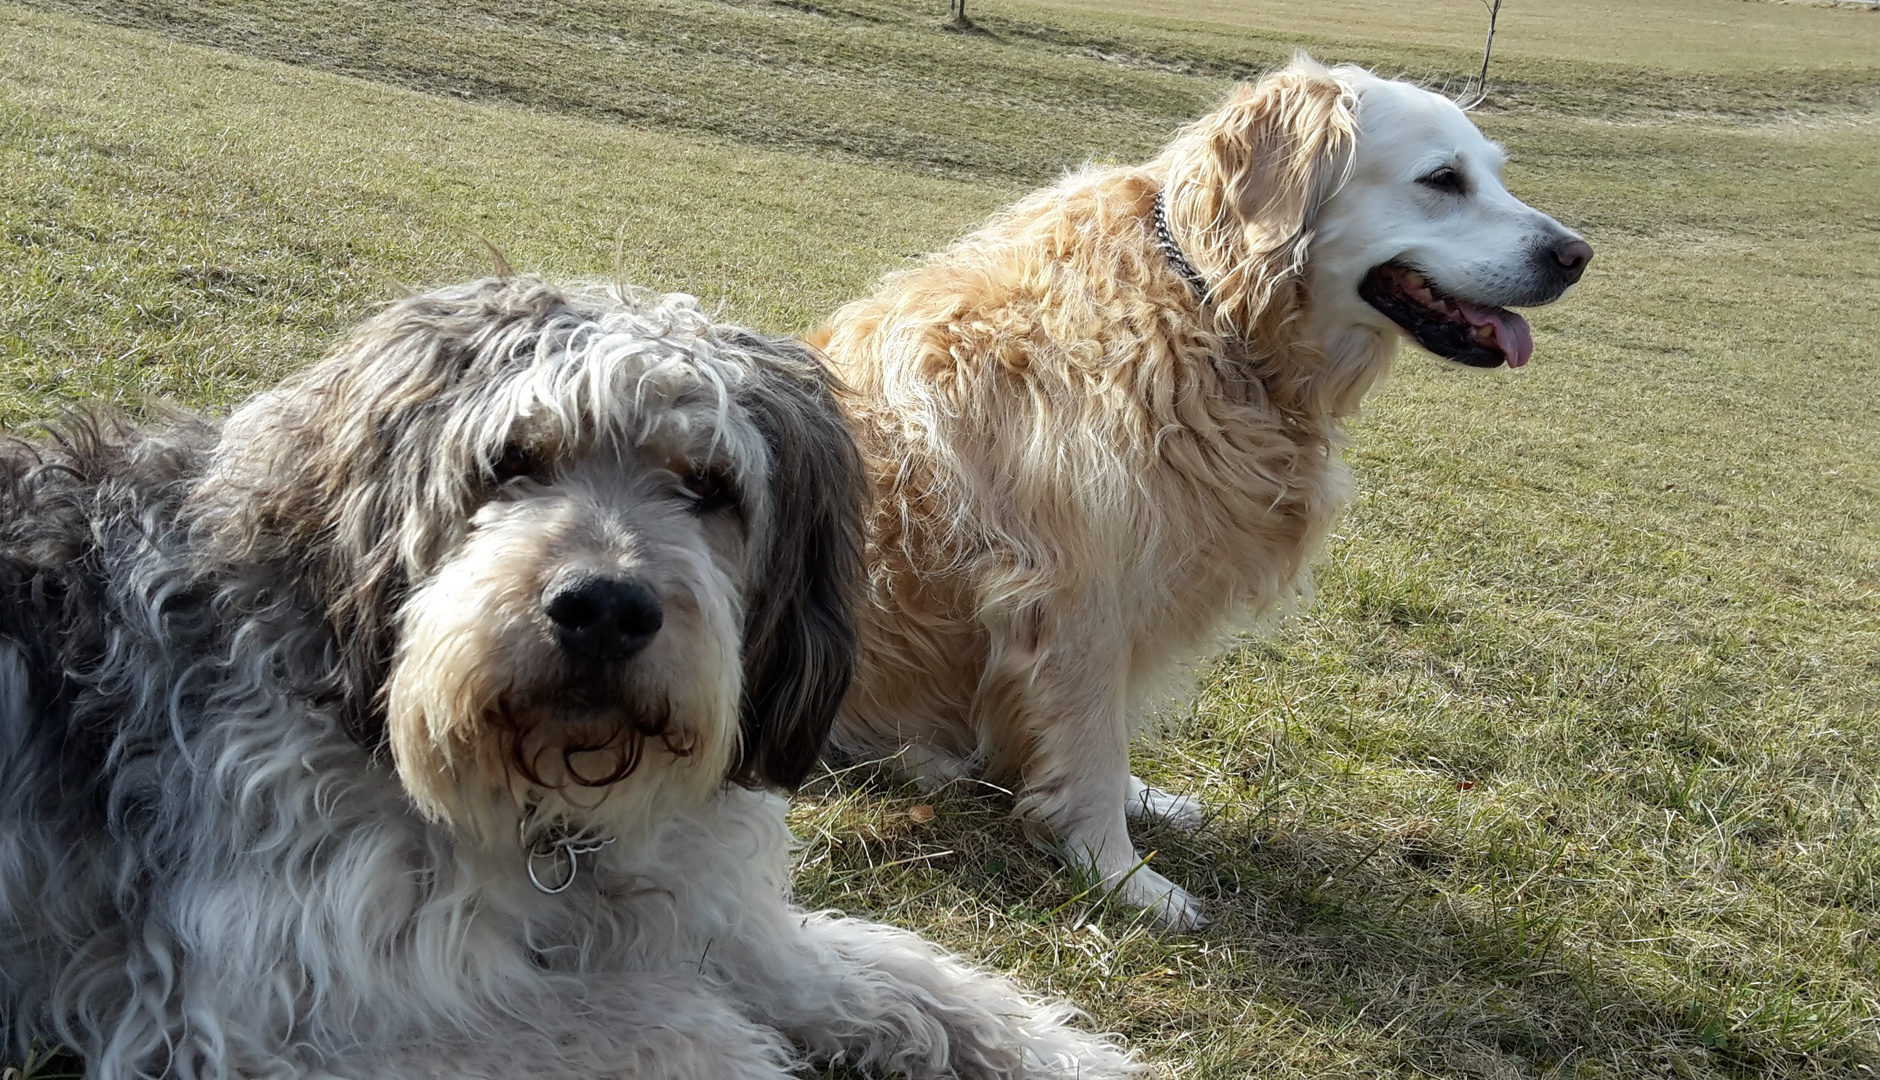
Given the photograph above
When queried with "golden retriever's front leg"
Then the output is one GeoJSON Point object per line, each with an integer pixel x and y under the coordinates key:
{"type": "Point", "coordinates": [1050, 717]}
{"type": "Point", "coordinates": [1145, 803]}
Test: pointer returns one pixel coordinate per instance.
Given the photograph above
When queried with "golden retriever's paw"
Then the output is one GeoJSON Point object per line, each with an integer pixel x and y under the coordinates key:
{"type": "Point", "coordinates": [1181, 811]}
{"type": "Point", "coordinates": [1171, 904]}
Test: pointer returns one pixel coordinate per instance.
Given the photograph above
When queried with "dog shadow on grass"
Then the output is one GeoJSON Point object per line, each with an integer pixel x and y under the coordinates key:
{"type": "Point", "coordinates": [1380, 946]}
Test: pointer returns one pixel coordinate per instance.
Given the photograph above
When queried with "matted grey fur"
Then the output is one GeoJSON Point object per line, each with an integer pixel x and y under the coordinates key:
{"type": "Point", "coordinates": [285, 705]}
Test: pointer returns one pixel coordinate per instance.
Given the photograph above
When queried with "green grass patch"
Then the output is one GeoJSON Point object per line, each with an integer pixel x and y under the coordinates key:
{"type": "Point", "coordinates": [1569, 770]}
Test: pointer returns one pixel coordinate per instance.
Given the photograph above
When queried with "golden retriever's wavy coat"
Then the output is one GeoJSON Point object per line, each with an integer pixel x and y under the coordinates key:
{"type": "Point", "coordinates": [1084, 470]}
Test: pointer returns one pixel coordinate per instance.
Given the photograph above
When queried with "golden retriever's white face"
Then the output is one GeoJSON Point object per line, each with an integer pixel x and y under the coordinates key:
{"type": "Point", "coordinates": [1423, 239]}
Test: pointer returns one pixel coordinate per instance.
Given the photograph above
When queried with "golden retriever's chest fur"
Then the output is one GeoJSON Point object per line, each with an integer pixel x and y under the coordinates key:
{"type": "Point", "coordinates": [1064, 455]}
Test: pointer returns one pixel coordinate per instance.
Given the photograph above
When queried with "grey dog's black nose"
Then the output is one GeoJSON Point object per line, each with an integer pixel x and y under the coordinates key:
{"type": "Point", "coordinates": [603, 618]}
{"type": "Point", "coordinates": [1573, 255]}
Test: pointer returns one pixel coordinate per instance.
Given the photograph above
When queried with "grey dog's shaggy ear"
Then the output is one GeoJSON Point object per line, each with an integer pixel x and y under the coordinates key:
{"type": "Point", "coordinates": [350, 475]}
{"type": "Point", "coordinates": [799, 644]}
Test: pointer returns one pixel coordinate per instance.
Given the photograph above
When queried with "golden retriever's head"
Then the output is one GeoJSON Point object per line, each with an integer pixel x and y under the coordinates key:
{"type": "Point", "coordinates": [1333, 212]}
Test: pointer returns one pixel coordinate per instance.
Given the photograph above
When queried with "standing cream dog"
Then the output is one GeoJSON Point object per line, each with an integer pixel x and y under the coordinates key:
{"type": "Point", "coordinates": [1106, 426]}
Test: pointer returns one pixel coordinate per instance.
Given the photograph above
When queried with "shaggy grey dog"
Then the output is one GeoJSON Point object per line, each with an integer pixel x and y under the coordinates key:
{"type": "Point", "coordinates": [419, 721]}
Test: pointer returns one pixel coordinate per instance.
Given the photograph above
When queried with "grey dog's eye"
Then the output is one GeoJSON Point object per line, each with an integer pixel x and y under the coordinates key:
{"type": "Point", "coordinates": [1445, 179]}
{"type": "Point", "coordinates": [709, 490]}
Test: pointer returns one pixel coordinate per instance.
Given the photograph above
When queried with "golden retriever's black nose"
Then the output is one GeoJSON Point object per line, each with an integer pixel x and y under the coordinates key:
{"type": "Point", "coordinates": [1573, 255]}
{"type": "Point", "coordinates": [603, 618]}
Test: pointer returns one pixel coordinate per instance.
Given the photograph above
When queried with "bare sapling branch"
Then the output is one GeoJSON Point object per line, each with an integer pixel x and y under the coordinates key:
{"type": "Point", "coordinates": [1488, 49]}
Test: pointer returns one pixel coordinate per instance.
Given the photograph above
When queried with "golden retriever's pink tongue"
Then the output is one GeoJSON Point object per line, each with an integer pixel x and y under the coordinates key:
{"type": "Point", "coordinates": [1512, 335]}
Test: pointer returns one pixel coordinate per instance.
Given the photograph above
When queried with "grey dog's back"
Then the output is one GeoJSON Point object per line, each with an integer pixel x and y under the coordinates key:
{"type": "Point", "coordinates": [99, 601]}
{"type": "Point", "coordinates": [97, 495]}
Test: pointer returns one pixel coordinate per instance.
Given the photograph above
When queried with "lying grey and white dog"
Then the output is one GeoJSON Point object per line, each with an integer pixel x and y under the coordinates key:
{"type": "Point", "coordinates": [417, 722]}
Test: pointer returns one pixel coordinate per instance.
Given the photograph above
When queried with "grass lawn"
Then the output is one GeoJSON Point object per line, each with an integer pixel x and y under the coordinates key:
{"type": "Point", "coordinates": [1571, 769]}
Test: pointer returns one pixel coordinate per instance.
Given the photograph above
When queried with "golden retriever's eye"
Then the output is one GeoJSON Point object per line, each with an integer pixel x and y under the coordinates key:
{"type": "Point", "coordinates": [709, 490]}
{"type": "Point", "coordinates": [1445, 179]}
{"type": "Point", "coordinates": [517, 461]}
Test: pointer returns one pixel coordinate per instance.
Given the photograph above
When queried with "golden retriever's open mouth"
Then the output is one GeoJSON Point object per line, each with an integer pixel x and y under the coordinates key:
{"type": "Point", "coordinates": [1474, 334]}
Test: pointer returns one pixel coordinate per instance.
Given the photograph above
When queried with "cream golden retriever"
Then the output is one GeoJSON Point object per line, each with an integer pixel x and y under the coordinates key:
{"type": "Point", "coordinates": [1106, 426]}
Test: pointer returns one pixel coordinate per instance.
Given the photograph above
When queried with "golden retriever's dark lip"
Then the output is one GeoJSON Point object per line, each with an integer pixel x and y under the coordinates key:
{"type": "Point", "coordinates": [1446, 325]}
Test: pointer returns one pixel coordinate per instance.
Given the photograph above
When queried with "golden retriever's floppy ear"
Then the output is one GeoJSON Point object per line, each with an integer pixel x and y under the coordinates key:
{"type": "Point", "coordinates": [1244, 184]}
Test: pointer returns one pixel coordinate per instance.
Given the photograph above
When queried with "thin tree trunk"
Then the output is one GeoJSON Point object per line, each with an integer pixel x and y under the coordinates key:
{"type": "Point", "coordinates": [1481, 82]}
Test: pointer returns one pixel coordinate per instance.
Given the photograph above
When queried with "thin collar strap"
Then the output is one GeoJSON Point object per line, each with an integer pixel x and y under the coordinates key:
{"type": "Point", "coordinates": [1165, 242]}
